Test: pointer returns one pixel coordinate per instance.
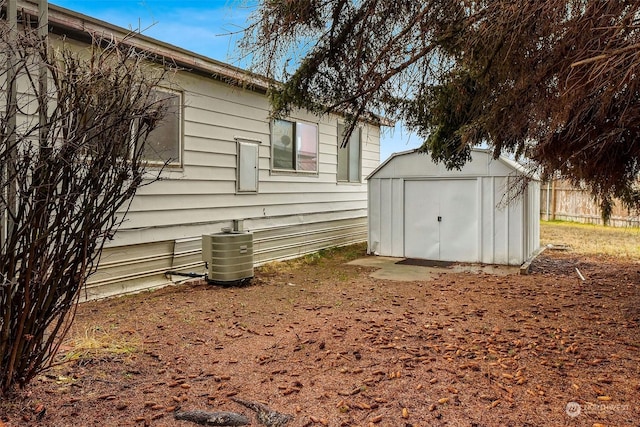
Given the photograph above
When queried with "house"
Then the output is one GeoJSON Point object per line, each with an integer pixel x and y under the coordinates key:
{"type": "Point", "coordinates": [287, 181]}
{"type": "Point", "coordinates": [419, 209]}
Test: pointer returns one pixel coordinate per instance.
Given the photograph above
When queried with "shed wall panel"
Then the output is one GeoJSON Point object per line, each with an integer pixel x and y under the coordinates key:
{"type": "Point", "coordinates": [374, 214]}
{"type": "Point", "coordinates": [516, 231]}
{"type": "Point", "coordinates": [397, 217]}
{"type": "Point", "coordinates": [501, 224]}
{"type": "Point", "coordinates": [386, 216]}
{"type": "Point", "coordinates": [533, 223]}
{"type": "Point", "coordinates": [487, 225]}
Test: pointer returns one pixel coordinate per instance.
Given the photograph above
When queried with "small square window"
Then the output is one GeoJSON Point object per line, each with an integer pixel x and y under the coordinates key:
{"type": "Point", "coordinates": [294, 146]}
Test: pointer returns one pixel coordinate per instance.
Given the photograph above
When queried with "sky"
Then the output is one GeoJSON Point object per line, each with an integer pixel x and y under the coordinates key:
{"type": "Point", "coordinates": [208, 27]}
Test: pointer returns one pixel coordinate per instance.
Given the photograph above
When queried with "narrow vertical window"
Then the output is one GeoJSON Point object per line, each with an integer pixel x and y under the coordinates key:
{"type": "Point", "coordinates": [282, 141]}
{"type": "Point", "coordinates": [349, 157]}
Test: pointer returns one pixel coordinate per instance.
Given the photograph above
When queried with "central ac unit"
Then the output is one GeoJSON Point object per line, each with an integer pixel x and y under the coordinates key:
{"type": "Point", "coordinates": [229, 257]}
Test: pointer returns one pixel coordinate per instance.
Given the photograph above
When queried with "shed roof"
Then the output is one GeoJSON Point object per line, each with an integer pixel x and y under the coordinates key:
{"type": "Point", "coordinates": [429, 168]}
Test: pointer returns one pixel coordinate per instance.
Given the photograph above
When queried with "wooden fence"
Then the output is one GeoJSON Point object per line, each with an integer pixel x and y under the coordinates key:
{"type": "Point", "coordinates": [559, 200]}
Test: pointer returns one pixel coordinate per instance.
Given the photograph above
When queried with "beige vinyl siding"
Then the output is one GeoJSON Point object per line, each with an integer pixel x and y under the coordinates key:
{"type": "Point", "coordinates": [186, 202]}
{"type": "Point", "coordinates": [135, 268]}
{"type": "Point", "coordinates": [291, 214]}
{"type": "Point", "coordinates": [204, 190]}
{"type": "Point", "coordinates": [162, 220]}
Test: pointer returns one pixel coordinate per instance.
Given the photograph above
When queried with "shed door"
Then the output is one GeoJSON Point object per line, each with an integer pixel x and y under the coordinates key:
{"type": "Point", "coordinates": [441, 220]}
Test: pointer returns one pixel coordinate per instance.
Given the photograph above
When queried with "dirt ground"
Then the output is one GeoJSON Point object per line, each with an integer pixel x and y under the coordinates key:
{"type": "Point", "coordinates": [325, 342]}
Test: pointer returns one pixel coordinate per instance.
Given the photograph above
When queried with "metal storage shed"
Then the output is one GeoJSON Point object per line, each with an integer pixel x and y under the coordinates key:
{"type": "Point", "coordinates": [419, 209]}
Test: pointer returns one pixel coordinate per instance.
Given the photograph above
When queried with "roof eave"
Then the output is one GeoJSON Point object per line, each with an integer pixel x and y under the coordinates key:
{"type": "Point", "coordinates": [65, 21]}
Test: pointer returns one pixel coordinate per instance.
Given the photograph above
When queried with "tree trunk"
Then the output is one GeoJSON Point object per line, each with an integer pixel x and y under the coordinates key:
{"type": "Point", "coordinates": [212, 418]}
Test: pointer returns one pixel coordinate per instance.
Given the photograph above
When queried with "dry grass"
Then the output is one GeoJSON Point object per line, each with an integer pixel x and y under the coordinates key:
{"type": "Point", "coordinates": [346, 253]}
{"type": "Point", "coordinates": [590, 239]}
{"type": "Point", "coordinates": [97, 343]}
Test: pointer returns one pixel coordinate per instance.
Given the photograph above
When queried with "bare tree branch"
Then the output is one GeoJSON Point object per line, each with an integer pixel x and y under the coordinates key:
{"type": "Point", "coordinates": [555, 81]}
{"type": "Point", "coordinates": [67, 185]}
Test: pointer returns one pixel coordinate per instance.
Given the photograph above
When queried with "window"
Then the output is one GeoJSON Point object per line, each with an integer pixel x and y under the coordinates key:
{"type": "Point", "coordinates": [163, 144]}
{"type": "Point", "coordinates": [349, 156]}
{"type": "Point", "coordinates": [88, 122]}
{"type": "Point", "coordinates": [294, 146]}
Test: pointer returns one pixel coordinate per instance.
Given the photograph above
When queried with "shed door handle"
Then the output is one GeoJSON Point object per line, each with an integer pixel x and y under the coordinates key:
{"type": "Point", "coordinates": [439, 219]}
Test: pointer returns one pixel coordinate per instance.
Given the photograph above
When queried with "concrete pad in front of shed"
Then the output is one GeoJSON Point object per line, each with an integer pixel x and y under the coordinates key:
{"type": "Point", "coordinates": [389, 269]}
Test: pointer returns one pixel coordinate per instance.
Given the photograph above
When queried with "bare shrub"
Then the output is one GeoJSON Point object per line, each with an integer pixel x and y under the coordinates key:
{"type": "Point", "coordinates": [71, 165]}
